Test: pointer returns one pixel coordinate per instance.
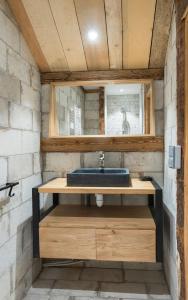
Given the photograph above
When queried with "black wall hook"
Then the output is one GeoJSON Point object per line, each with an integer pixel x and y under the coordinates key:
{"type": "Point", "coordinates": [9, 185]}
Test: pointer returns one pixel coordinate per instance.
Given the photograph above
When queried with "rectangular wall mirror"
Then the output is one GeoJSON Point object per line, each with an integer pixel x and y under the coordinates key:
{"type": "Point", "coordinates": [124, 109]}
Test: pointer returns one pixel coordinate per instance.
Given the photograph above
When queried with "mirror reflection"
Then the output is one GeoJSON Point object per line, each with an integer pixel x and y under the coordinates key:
{"type": "Point", "coordinates": [111, 109]}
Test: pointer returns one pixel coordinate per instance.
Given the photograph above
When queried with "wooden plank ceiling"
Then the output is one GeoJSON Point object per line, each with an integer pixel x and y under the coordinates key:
{"type": "Point", "coordinates": [82, 35]}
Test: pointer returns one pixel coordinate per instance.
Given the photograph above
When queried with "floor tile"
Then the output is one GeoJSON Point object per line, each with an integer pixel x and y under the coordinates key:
{"type": "Point", "coordinates": [97, 274]}
{"type": "Point", "coordinates": [75, 288]}
{"type": "Point", "coordinates": [158, 291]}
{"type": "Point", "coordinates": [123, 290]}
{"type": "Point", "coordinates": [41, 287]}
{"type": "Point", "coordinates": [103, 264]}
{"type": "Point", "coordinates": [61, 273]}
{"type": "Point", "coordinates": [144, 276]}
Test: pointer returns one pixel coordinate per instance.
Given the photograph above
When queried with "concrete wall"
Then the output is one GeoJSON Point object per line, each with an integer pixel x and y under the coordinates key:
{"type": "Point", "coordinates": [170, 185]}
{"type": "Point", "coordinates": [19, 156]}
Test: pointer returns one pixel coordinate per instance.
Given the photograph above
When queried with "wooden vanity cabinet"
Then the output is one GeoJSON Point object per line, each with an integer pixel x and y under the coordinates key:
{"type": "Point", "coordinates": [108, 233]}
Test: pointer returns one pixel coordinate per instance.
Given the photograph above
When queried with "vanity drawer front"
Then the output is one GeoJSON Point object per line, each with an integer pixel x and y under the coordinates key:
{"type": "Point", "coordinates": [126, 245]}
{"type": "Point", "coordinates": [74, 243]}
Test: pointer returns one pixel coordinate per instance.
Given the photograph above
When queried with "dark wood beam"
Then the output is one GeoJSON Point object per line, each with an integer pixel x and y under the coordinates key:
{"type": "Point", "coordinates": [101, 111]}
{"type": "Point", "coordinates": [103, 143]}
{"type": "Point", "coordinates": [97, 77]}
{"type": "Point", "coordinates": [180, 7]}
{"type": "Point", "coordinates": [163, 15]}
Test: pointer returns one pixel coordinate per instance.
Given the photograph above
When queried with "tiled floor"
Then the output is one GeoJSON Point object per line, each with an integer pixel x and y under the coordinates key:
{"type": "Point", "coordinates": [98, 282]}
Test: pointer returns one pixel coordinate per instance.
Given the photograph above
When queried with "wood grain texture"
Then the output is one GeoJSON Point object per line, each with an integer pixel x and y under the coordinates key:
{"type": "Point", "coordinates": [126, 245]}
{"type": "Point", "coordinates": [138, 18]}
{"type": "Point", "coordinates": [180, 8]}
{"type": "Point", "coordinates": [29, 34]}
{"type": "Point", "coordinates": [59, 185]}
{"type": "Point", "coordinates": [72, 243]}
{"type": "Point", "coordinates": [101, 111]}
{"type": "Point", "coordinates": [99, 77]}
{"type": "Point", "coordinates": [108, 233]}
{"type": "Point", "coordinates": [143, 143]}
{"type": "Point", "coordinates": [91, 16]}
{"type": "Point", "coordinates": [186, 160]}
{"type": "Point", "coordinates": [46, 33]}
{"type": "Point", "coordinates": [161, 30]}
{"type": "Point", "coordinates": [107, 217]}
{"type": "Point", "coordinates": [113, 11]}
{"type": "Point", "coordinates": [68, 28]}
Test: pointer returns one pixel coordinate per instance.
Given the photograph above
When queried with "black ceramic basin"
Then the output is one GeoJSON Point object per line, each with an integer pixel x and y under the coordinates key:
{"type": "Point", "coordinates": [111, 177]}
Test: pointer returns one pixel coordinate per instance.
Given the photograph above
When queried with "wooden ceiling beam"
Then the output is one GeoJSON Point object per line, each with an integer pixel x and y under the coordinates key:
{"type": "Point", "coordinates": [28, 33]}
{"type": "Point", "coordinates": [95, 77]}
{"type": "Point", "coordinates": [162, 22]}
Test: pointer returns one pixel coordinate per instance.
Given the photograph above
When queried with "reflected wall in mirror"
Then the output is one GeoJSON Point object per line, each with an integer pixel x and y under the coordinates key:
{"type": "Point", "coordinates": [110, 110]}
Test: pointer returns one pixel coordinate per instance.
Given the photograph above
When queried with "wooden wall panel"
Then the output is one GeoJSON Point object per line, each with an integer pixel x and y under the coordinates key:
{"type": "Point", "coordinates": [114, 31]}
{"type": "Point", "coordinates": [138, 18]}
{"type": "Point", "coordinates": [41, 18]}
{"type": "Point", "coordinates": [68, 28]}
{"type": "Point", "coordinates": [91, 16]}
{"type": "Point", "coordinates": [186, 160]}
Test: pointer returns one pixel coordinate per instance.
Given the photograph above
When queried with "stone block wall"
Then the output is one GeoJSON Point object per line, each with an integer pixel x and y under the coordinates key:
{"type": "Point", "coordinates": [20, 124]}
{"type": "Point", "coordinates": [170, 185]}
{"type": "Point", "coordinates": [91, 112]}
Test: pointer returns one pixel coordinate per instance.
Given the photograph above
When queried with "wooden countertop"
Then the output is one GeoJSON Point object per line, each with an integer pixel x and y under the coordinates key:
{"type": "Point", "coordinates": [59, 185]}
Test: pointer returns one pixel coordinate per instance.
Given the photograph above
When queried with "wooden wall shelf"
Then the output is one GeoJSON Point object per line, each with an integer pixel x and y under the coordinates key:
{"type": "Point", "coordinates": [143, 143]}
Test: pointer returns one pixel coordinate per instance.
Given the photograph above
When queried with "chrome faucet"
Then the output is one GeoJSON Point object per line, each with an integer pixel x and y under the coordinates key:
{"type": "Point", "coordinates": [101, 159]}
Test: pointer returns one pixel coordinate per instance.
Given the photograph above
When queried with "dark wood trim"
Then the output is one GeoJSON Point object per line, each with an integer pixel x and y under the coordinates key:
{"type": "Point", "coordinates": [93, 91]}
{"type": "Point", "coordinates": [180, 6]}
{"type": "Point", "coordinates": [88, 77]}
{"type": "Point", "coordinates": [103, 143]}
{"type": "Point", "coordinates": [101, 111]}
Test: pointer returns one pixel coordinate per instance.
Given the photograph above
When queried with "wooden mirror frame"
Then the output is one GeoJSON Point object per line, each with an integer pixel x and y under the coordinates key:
{"type": "Point", "coordinates": [88, 143]}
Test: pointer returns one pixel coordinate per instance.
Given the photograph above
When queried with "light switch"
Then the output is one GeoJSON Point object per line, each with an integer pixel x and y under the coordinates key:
{"type": "Point", "coordinates": [174, 159]}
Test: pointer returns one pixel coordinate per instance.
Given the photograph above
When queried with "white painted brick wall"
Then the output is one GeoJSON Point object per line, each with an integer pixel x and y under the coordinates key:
{"type": "Point", "coordinates": [20, 166]}
{"type": "Point", "coordinates": [19, 155]}
{"type": "Point", "coordinates": [20, 117]}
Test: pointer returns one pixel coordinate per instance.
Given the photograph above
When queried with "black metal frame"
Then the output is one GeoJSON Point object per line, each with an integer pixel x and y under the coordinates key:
{"type": "Point", "coordinates": [38, 215]}
{"type": "Point", "coordinates": [155, 203]}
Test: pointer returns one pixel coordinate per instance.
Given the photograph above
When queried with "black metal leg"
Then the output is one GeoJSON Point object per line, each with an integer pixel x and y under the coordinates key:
{"type": "Point", "coordinates": [36, 220]}
{"type": "Point", "coordinates": [159, 224]}
{"type": "Point", "coordinates": [55, 199]}
{"type": "Point", "coordinates": [150, 200]}
{"type": "Point", "coordinates": [88, 200]}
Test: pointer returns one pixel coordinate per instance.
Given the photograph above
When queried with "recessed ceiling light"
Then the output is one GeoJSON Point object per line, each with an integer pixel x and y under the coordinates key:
{"type": "Point", "coordinates": [121, 90]}
{"type": "Point", "coordinates": [92, 35]}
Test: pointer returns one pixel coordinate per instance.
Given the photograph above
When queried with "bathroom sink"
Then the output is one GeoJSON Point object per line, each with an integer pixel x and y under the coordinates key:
{"type": "Point", "coordinates": [99, 177]}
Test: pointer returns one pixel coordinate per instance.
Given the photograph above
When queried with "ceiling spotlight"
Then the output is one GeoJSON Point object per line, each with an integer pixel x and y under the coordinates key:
{"type": "Point", "coordinates": [92, 35]}
{"type": "Point", "coordinates": [121, 90]}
